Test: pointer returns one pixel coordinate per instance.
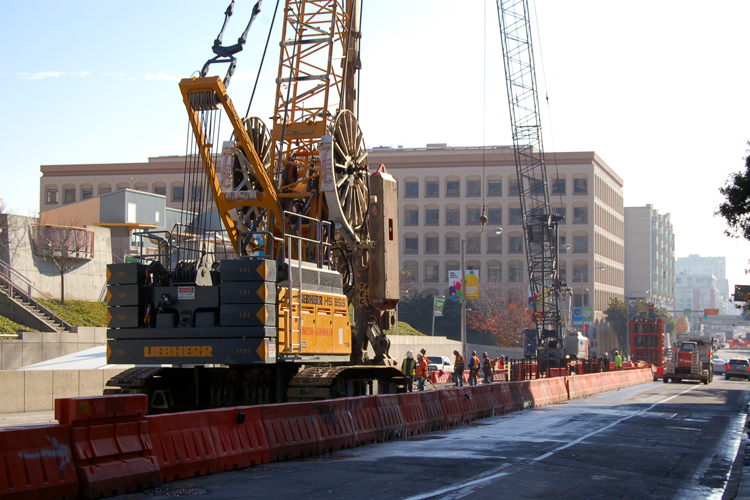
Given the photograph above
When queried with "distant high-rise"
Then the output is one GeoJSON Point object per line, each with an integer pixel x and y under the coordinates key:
{"type": "Point", "coordinates": [649, 256]}
{"type": "Point", "coordinates": [715, 266]}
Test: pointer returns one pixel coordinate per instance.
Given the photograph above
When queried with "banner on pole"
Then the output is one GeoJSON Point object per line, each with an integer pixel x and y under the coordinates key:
{"type": "Point", "coordinates": [456, 287]}
{"type": "Point", "coordinates": [438, 306]}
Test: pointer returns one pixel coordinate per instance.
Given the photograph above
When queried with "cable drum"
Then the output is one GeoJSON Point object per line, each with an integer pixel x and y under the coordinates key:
{"type": "Point", "coordinates": [203, 101]}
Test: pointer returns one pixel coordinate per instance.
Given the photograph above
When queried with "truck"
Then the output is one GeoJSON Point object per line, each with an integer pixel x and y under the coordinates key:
{"type": "Point", "coordinates": [690, 359]}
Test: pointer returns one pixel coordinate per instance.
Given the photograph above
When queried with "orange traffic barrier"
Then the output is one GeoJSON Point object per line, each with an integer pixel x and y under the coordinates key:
{"type": "Point", "coordinates": [289, 430]}
{"type": "Point", "coordinates": [390, 416]}
{"type": "Point", "coordinates": [364, 412]}
{"type": "Point", "coordinates": [412, 411]}
{"type": "Point", "coordinates": [36, 462]}
{"type": "Point", "coordinates": [182, 444]}
{"type": "Point", "coordinates": [485, 406]}
{"type": "Point", "coordinates": [111, 448]}
{"type": "Point", "coordinates": [558, 391]}
{"type": "Point", "coordinates": [452, 411]}
{"type": "Point", "coordinates": [239, 437]}
{"type": "Point", "coordinates": [432, 411]}
{"type": "Point", "coordinates": [522, 398]}
{"type": "Point", "coordinates": [333, 425]}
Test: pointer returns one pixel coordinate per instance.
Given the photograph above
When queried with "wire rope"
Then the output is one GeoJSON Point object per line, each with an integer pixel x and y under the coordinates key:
{"type": "Point", "coordinates": [262, 59]}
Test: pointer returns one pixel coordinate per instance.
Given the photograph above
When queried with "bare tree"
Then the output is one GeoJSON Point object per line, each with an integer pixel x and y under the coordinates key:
{"type": "Point", "coordinates": [409, 286]}
{"type": "Point", "coordinates": [501, 310]}
{"type": "Point", "coordinates": [67, 247]}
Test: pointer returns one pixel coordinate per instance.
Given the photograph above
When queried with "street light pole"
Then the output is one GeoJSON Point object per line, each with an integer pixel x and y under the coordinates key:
{"type": "Point", "coordinates": [496, 230]}
{"type": "Point", "coordinates": [600, 268]}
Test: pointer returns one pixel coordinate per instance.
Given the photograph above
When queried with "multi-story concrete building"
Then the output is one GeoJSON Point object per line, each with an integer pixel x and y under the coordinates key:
{"type": "Point", "coordinates": [441, 194]}
{"type": "Point", "coordinates": [649, 256]}
{"type": "Point", "coordinates": [65, 184]}
{"type": "Point", "coordinates": [697, 291]}
{"type": "Point", "coordinates": [714, 266]}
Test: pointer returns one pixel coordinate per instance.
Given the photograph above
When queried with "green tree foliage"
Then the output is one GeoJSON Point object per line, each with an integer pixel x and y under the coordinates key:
{"type": "Point", "coordinates": [736, 208]}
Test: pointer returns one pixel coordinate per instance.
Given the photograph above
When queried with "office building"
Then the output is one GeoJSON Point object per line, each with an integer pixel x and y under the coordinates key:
{"type": "Point", "coordinates": [714, 266]}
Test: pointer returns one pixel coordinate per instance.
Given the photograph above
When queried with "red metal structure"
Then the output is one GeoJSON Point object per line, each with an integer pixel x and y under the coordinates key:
{"type": "Point", "coordinates": [647, 341]}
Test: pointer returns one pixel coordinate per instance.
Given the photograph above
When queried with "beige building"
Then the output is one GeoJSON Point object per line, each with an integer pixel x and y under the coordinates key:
{"type": "Point", "coordinates": [64, 184]}
{"type": "Point", "coordinates": [441, 193]}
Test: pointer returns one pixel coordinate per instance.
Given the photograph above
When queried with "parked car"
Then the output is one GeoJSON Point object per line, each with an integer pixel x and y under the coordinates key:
{"type": "Point", "coordinates": [439, 363]}
{"type": "Point", "coordinates": [739, 368]}
{"type": "Point", "coordinates": [720, 365]}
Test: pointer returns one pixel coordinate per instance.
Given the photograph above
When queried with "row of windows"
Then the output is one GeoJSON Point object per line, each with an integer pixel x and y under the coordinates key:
{"type": "Point", "coordinates": [494, 216]}
{"type": "Point", "coordinates": [516, 272]}
{"type": "Point", "coordinates": [87, 191]}
{"type": "Point", "coordinates": [610, 222]}
{"type": "Point", "coordinates": [474, 244]}
{"type": "Point", "coordinates": [473, 188]}
{"type": "Point", "coordinates": [609, 195]}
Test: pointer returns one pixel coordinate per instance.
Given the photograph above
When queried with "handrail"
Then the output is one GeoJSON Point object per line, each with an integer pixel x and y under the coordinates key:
{"type": "Point", "coordinates": [6, 276]}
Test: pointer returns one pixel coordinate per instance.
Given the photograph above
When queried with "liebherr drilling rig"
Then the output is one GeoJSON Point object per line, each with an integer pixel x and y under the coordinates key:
{"type": "Point", "coordinates": [284, 302]}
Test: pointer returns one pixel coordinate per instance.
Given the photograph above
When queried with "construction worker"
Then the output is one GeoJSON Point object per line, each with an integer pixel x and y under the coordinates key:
{"type": "Point", "coordinates": [473, 368]}
{"type": "Point", "coordinates": [486, 368]}
{"type": "Point", "coordinates": [605, 362]}
{"type": "Point", "coordinates": [422, 371]}
{"type": "Point", "coordinates": [458, 370]}
{"type": "Point", "coordinates": [618, 360]}
{"type": "Point", "coordinates": [409, 367]}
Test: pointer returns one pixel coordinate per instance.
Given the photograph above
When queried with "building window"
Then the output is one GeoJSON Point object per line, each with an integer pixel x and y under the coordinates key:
{"type": "Point", "coordinates": [452, 216]}
{"type": "Point", "coordinates": [431, 189]}
{"type": "Point", "coordinates": [494, 215]}
{"type": "Point", "coordinates": [196, 193]}
{"type": "Point", "coordinates": [515, 273]}
{"type": "Point", "coordinates": [104, 190]}
{"type": "Point", "coordinates": [87, 193]}
{"type": "Point", "coordinates": [178, 193]}
{"type": "Point", "coordinates": [495, 273]}
{"type": "Point", "coordinates": [411, 217]}
{"type": "Point", "coordinates": [580, 186]}
{"type": "Point", "coordinates": [411, 245]}
{"type": "Point", "coordinates": [537, 187]}
{"type": "Point", "coordinates": [516, 216]}
{"type": "Point", "coordinates": [472, 216]}
{"type": "Point", "coordinates": [494, 188]}
{"type": "Point", "coordinates": [561, 212]}
{"type": "Point", "coordinates": [581, 244]}
{"type": "Point", "coordinates": [515, 244]}
{"type": "Point", "coordinates": [561, 242]}
{"type": "Point", "coordinates": [578, 272]}
{"type": "Point", "coordinates": [558, 186]}
{"type": "Point", "coordinates": [494, 244]}
{"type": "Point", "coordinates": [162, 190]}
{"type": "Point", "coordinates": [451, 244]}
{"type": "Point", "coordinates": [431, 273]}
{"type": "Point", "coordinates": [513, 189]}
{"type": "Point", "coordinates": [431, 244]}
{"type": "Point", "coordinates": [563, 272]}
{"type": "Point", "coordinates": [473, 188]}
{"type": "Point", "coordinates": [70, 195]}
{"type": "Point", "coordinates": [412, 189]}
{"type": "Point", "coordinates": [474, 245]}
{"type": "Point", "coordinates": [453, 189]}
{"type": "Point", "coordinates": [580, 215]}
{"type": "Point", "coordinates": [412, 270]}
{"type": "Point", "coordinates": [52, 197]}
{"type": "Point", "coordinates": [431, 216]}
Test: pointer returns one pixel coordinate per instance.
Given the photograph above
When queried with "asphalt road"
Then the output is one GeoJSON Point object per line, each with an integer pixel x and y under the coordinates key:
{"type": "Point", "coordinates": [656, 441]}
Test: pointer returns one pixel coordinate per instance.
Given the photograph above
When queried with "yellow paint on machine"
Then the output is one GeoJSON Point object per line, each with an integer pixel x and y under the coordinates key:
{"type": "Point", "coordinates": [325, 327]}
{"type": "Point", "coordinates": [188, 351]}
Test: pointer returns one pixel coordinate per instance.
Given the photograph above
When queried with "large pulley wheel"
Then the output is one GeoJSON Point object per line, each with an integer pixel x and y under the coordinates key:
{"type": "Point", "coordinates": [348, 203]}
{"type": "Point", "coordinates": [244, 179]}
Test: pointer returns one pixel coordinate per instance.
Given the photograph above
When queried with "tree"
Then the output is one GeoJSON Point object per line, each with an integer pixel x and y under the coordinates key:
{"type": "Point", "coordinates": [681, 325]}
{"type": "Point", "coordinates": [736, 208]}
{"type": "Point", "coordinates": [408, 285]}
{"type": "Point", "coordinates": [67, 247]}
{"type": "Point", "coordinates": [501, 311]}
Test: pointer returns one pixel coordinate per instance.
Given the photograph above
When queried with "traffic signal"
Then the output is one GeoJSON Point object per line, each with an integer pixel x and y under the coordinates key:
{"type": "Point", "coordinates": [705, 316]}
{"type": "Point", "coordinates": [585, 329]}
{"type": "Point", "coordinates": [651, 311]}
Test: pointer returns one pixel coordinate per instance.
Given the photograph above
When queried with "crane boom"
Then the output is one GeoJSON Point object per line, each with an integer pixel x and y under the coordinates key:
{"type": "Point", "coordinates": [539, 224]}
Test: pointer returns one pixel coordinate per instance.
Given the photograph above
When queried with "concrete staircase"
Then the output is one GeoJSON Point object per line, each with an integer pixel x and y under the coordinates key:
{"type": "Point", "coordinates": [17, 303]}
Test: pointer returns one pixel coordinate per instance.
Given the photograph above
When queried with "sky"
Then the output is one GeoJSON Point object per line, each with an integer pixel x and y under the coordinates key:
{"type": "Point", "coordinates": [658, 89]}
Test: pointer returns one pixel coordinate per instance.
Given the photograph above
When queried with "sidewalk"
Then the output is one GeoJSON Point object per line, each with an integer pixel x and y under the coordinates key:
{"type": "Point", "coordinates": [26, 419]}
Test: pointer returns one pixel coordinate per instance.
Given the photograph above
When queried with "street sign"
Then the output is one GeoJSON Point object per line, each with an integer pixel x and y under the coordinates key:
{"type": "Point", "coordinates": [588, 314]}
{"type": "Point", "coordinates": [438, 306]}
{"type": "Point", "coordinates": [710, 312]}
{"type": "Point", "coordinates": [688, 312]}
{"type": "Point", "coordinates": [577, 314]}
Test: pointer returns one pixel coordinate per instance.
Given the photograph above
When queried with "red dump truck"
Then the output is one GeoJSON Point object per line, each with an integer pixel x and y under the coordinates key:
{"type": "Point", "coordinates": [690, 359]}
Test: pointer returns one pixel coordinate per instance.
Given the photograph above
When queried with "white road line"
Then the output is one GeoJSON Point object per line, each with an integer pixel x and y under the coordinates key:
{"type": "Point", "coordinates": [482, 478]}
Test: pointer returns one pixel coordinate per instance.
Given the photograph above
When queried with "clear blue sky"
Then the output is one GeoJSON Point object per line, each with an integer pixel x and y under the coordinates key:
{"type": "Point", "coordinates": [657, 89]}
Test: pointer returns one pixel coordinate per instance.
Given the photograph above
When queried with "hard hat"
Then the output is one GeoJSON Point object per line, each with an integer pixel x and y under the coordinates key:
{"type": "Point", "coordinates": [419, 356]}
{"type": "Point", "coordinates": [485, 355]}
{"type": "Point", "coordinates": [455, 352]}
{"type": "Point", "coordinates": [422, 351]}
{"type": "Point", "coordinates": [409, 354]}
{"type": "Point", "coordinates": [473, 353]}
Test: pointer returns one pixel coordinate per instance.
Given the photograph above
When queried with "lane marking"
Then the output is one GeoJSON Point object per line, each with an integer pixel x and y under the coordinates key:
{"type": "Point", "coordinates": [489, 476]}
